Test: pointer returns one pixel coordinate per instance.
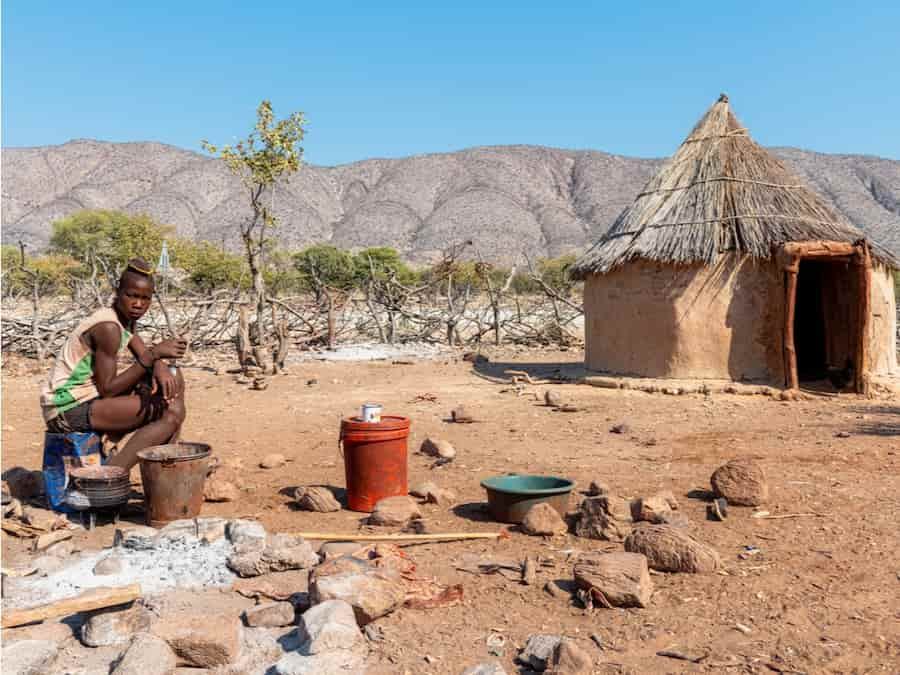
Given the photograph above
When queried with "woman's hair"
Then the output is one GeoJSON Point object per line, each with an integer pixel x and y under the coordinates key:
{"type": "Point", "coordinates": [138, 267]}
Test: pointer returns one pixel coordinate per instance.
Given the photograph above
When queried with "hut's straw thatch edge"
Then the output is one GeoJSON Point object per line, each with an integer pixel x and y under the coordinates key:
{"type": "Point", "coordinates": [719, 193]}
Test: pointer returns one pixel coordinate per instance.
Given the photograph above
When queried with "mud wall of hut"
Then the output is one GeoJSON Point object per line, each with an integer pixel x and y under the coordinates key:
{"type": "Point", "coordinates": [883, 323]}
{"type": "Point", "coordinates": [722, 321]}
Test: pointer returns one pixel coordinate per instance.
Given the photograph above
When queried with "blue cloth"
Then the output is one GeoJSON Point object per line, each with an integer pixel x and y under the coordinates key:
{"type": "Point", "coordinates": [63, 452]}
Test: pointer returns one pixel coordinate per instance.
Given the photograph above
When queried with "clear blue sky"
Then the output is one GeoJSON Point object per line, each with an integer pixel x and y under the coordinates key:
{"type": "Point", "coordinates": [380, 79]}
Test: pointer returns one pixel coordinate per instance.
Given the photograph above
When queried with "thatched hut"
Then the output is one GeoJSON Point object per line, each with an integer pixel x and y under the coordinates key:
{"type": "Point", "coordinates": [727, 266]}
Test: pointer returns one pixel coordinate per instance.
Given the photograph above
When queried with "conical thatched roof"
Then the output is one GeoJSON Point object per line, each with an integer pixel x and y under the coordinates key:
{"type": "Point", "coordinates": [719, 192]}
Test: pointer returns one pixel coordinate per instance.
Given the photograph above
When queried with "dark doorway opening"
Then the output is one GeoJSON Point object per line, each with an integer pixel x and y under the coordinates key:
{"type": "Point", "coordinates": [826, 320]}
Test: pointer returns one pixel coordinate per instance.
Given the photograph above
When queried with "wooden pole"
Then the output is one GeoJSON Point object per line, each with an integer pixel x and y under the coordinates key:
{"type": "Point", "coordinates": [449, 536]}
{"type": "Point", "coordinates": [96, 598]}
{"type": "Point", "coordinates": [790, 303]}
{"type": "Point", "coordinates": [865, 292]}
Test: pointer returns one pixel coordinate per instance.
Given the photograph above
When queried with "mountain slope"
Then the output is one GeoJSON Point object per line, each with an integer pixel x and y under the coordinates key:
{"type": "Point", "coordinates": [507, 199]}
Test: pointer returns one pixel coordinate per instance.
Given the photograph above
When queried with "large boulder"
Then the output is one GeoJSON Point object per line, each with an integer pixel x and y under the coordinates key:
{"type": "Point", "coordinates": [394, 511]}
{"type": "Point", "coordinates": [29, 657]}
{"type": "Point", "coordinates": [543, 520]}
{"type": "Point", "coordinates": [670, 549]}
{"type": "Point", "coordinates": [368, 590]}
{"type": "Point", "coordinates": [615, 579]}
{"type": "Point", "coordinates": [281, 552]}
{"type": "Point", "coordinates": [606, 518]}
{"type": "Point", "coordinates": [115, 626]}
{"type": "Point", "coordinates": [201, 640]}
{"type": "Point", "coordinates": [742, 482]}
{"type": "Point", "coordinates": [147, 655]}
{"type": "Point", "coordinates": [330, 643]}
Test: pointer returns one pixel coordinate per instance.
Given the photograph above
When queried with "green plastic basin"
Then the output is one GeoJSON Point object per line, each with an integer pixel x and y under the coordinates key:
{"type": "Point", "coordinates": [510, 496]}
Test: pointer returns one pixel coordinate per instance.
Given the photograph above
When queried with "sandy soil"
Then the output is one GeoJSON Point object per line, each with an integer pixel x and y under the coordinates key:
{"type": "Point", "coordinates": [822, 596]}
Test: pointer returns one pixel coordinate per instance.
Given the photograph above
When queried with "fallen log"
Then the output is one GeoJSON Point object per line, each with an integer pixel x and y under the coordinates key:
{"type": "Point", "coordinates": [96, 598]}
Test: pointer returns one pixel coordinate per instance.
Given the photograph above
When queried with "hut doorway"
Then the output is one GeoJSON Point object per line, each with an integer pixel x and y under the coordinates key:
{"type": "Point", "coordinates": [827, 294]}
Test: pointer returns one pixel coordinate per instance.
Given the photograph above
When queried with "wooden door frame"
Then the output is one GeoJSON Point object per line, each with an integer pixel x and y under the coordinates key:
{"type": "Point", "coordinates": [858, 254]}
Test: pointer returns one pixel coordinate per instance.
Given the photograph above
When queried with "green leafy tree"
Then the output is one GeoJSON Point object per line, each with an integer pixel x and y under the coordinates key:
{"type": "Point", "coordinates": [327, 265]}
{"type": "Point", "coordinates": [209, 267]}
{"type": "Point", "coordinates": [108, 238]}
{"type": "Point", "coordinates": [271, 151]}
{"type": "Point", "coordinates": [384, 261]}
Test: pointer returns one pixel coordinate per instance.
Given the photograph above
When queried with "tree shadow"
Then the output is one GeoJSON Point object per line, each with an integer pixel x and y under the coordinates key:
{"type": "Point", "coordinates": [558, 372]}
{"type": "Point", "coordinates": [701, 495]}
{"type": "Point", "coordinates": [885, 428]}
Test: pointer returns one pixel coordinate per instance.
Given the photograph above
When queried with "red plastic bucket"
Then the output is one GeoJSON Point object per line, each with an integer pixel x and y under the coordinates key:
{"type": "Point", "coordinates": [374, 460]}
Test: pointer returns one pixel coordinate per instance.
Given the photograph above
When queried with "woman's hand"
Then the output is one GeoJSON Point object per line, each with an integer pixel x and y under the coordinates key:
{"type": "Point", "coordinates": [173, 348]}
{"type": "Point", "coordinates": [167, 382]}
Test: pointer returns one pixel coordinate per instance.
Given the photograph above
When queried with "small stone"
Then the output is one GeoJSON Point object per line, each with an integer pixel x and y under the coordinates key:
{"type": "Point", "coordinates": [421, 490]}
{"type": "Point", "coordinates": [650, 509]}
{"type": "Point", "coordinates": [718, 510]}
{"type": "Point", "coordinates": [29, 657]}
{"type": "Point", "coordinates": [23, 483]}
{"type": "Point", "coordinates": [329, 626]}
{"type": "Point", "coordinates": [742, 482]}
{"type": "Point", "coordinates": [395, 511]}
{"type": "Point", "coordinates": [281, 552]}
{"type": "Point", "coordinates": [335, 549]}
{"type": "Point", "coordinates": [272, 461]}
{"type": "Point", "coordinates": [338, 662]}
{"type": "Point", "coordinates": [316, 498]}
{"type": "Point", "coordinates": [598, 518]}
{"type": "Point", "coordinates": [115, 626]}
{"type": "Point", "coordinates": [461, 415]}
{"type": "Point", "coordinates": [354, 581]}
{"type": "Point", "coordinates": [598, 488]}
{"type": "Point", "coordinates": [270, 615]}
{"type": "Point", "coordinates": [622, 428]}
{"type": "Point", "coordinates": [245, 533]}
{"type": "Point", "coordinates": [670, 549]}
{"type": "Point", "coordinates": [111, 564]}
{"type": "Point", "coordinates": [556, 590]}
{"type": "Point", "coordinates": [147, 655]}
{"type": "Point", "coordinates": [437, 448]}
{"type": "Point", "coordinates": [211, 529]}
{"type": "Point", "coordinates": [490, 668]}
{"type": "Point", "coordinates": [542, 520]}
{"type": "Point", "coordinates": [178, 530]}
{"type": "Point", "coordinates": [569, 659]}
{"type": "Point", "coordinates": [842, 434]}
{"type": "Point", "coordinates": [553, 398]}
{"type": "Point", "coordinates": [202, 641]}
{"type": "Point", "coordinates": [217, 489]}
{"type": "Point", "coordinates": [538, 651]}
{"type": "Point", "coordinates": [440, 497]}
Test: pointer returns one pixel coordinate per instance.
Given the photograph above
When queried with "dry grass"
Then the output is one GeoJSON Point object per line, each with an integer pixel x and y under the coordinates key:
{"type": "Point", "coordinates": [719, 192]}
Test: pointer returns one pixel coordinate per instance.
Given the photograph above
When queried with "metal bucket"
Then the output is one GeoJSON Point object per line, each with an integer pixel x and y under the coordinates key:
{"type": "Point", "coordinates": [510, 496]}
{"type": "Point", "coordinates": [173, 476]}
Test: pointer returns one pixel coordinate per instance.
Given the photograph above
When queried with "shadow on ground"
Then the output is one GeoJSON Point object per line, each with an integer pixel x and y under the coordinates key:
{"type": "Point", "coordinates": [887, 425]}
{"type": "Point", "coordinates": [496, 371]}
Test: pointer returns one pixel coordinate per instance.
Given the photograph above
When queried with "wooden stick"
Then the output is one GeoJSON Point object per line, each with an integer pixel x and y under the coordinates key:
{"type": "Point", "coordinates": [780, 516]}
{"type": "Point", "coordinates": [450, 536]}
{"type": "Point", "coordinates": [96, 598]}
{"type": "Point", "coordinates": [47, 540]}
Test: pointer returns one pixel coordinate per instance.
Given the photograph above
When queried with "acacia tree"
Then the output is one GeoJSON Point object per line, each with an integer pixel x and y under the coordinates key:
{"type": "Point", "coordinates": [271, 151]}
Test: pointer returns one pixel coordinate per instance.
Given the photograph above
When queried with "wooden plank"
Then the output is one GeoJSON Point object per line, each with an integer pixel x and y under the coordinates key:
{"type": "Point", "coordinates": [865, 292]}
{"type": "Point", "coordinates": [819, 249]}
{"type": "Point", "coordinates": [96, 598]}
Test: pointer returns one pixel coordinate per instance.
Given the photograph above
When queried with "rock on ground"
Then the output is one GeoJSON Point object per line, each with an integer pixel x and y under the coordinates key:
{"type": "Point", "coordinates": [598, 488]}
{"type": "Point", "coordinates": [211, 529]}
{"type": "Point", "coordinates": [492, 668]}
{"type": "Point", "coordinates": [244, 532]}
{"type": "Point", "coordinates": [147, 655]}
{"type": "Point", "coordinates": [270, 615]}
{"type": "Point", "coordinates": [742, 482]}
{"type": "Point", "coordinates": [421, 490]}
{"type": "Point", "coordinates": [617, 579]}
{"type": "Point", "coordinates": [202, 641]}
{"type": "Point", "coordinates": [272, 461]}
{"type": "Point", "coordinates": [115, 626]}
{"type": "Point", "coordinates": [137, 538]}
{"type": "Point", "coordinates": [340, 662]}
{"type": "Point", "coordinates": [538, 651]}
{"type": "Point", "coordinates": [356, 583]}
{"type": "Point", "coordinates": [330, 643]}
{"type": "Point", "coordinates": [29, 657]}
{"type": "Point", "coordinates": [461, 415]}
{"type": "Point", "coordinates": [569, 659]}
{"type": "Point", "coordinates": [653, 509]}
{"type": "Point", "coordinates": [598, 519]}
{"type": "Point", "coordinates": [440, 497]}
{"type": "Point", "coordinates": [24, 483]}
{"type": "Point", "coordinates": [543, 520]}
{"type": "Point", "coordinates": [670, 549]}
{"type": "Point", "coordinates": [316, 498]}
{"type": "Point", "coordinates": [111, 564]}
{"type": "Point", "coordinates": [437, 448]}
{"type": "Point", "coordinates": [395, 511]}
{"type": "Point", "coordinates": [335, 549]}
{"type": "Point", "coordinates": [553, 398]}
{"type": "Point", "coordinates": [281, 552]}
{"type": "Point", "coordinates": [217, 489]}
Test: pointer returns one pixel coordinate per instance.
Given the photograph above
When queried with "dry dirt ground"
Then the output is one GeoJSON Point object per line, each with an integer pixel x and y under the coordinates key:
{"type": "Point", "coordinates": [823, 595]}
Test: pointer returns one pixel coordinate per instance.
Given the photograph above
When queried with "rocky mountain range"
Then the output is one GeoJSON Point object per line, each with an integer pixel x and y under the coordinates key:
{"type": "Point", "coordinates": [506, 199]}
